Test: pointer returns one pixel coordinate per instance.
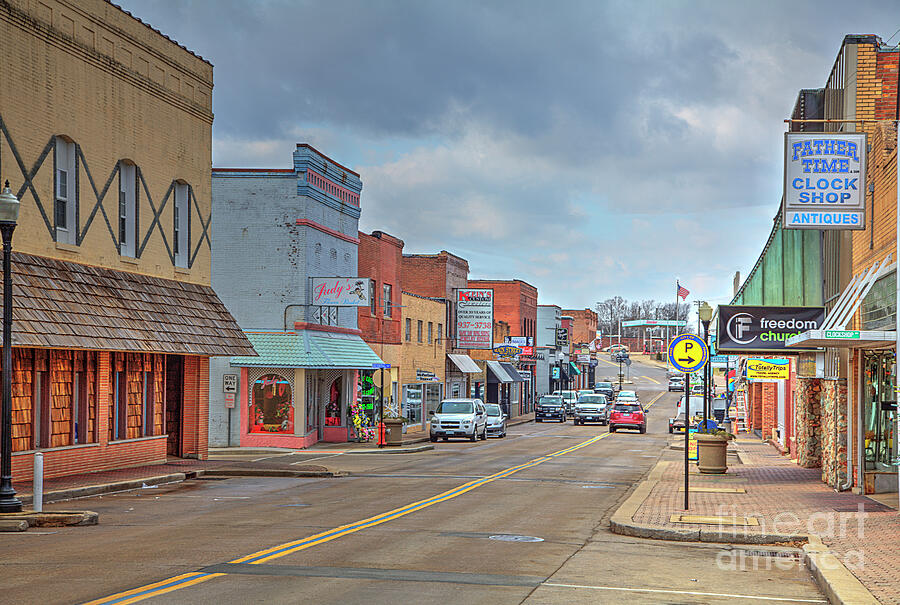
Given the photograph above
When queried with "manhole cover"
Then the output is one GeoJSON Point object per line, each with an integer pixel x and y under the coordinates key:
{"type": "Point", "coordinates": [514, 538]}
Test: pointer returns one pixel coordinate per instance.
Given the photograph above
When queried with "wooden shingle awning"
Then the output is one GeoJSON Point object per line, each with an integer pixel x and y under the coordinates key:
{"type": "Point", "coordinates": [59, 304]}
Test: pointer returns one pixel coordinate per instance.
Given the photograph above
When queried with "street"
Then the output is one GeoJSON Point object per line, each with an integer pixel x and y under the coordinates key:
{"type": "Point", "coordinates": [478, 531]}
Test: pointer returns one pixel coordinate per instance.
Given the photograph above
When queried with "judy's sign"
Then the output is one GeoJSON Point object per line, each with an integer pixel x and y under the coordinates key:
{"type": "Point", "coordinates": [340, 291]}
{"type": "Point", "coordinates": [824, 180]}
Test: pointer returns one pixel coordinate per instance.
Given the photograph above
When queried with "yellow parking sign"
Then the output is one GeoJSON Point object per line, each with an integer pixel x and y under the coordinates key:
{"type": "Point", "coordinates": [688, 353]}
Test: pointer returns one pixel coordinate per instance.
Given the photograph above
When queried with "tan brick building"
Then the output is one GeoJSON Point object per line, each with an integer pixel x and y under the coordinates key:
{"type": "Point", "coordinates": [105, 137]}
{"type": "Point", "coordinates": [422, 356]}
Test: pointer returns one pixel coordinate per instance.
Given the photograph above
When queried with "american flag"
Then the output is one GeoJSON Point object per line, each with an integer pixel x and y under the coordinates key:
{"type": "Point", "coordinates": [682, 291]}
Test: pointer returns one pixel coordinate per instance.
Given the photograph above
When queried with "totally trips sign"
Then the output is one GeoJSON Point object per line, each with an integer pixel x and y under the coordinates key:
{"type": "Point", "coordinates": [340, 291]}
{"type": "Point", "coordinates": [768, 369]}
{"type": "Point", "coordinates": [824, 180]}
{"type": "Point", "coordinates": [744, 329]}
{"type": "Point", "coordinates": [475, 318]}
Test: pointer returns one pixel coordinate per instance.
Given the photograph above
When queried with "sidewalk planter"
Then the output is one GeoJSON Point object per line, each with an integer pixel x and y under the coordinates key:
{"type": "Point", "coordinates": [711, 452]}
{"type": "Point", "coordinates": [393, 427]}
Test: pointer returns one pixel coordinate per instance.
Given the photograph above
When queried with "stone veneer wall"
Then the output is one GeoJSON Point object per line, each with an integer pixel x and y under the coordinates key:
{"type": "Point", "coordinates": [808, 423]}
{"type": "Point", "coordinates": [833, 412]}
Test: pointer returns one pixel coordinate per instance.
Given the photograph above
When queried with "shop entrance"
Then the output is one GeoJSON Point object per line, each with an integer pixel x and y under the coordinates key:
{"type": "Point", "coordinates": [879, 422]}
{"type": "Point", "coordinates": [174, 403]}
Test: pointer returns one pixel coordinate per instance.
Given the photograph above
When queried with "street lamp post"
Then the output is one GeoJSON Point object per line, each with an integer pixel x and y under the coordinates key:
{"type": "Point", "coordinates": [705, 315]}
{"type": "Point", "coordinates": [9, 213]}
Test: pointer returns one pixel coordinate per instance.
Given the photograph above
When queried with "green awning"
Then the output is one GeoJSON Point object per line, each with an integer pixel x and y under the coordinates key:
{"type": "Point", "coordinates": [308, 349]}
{"type": "Point", "coordinates": [575, 370]}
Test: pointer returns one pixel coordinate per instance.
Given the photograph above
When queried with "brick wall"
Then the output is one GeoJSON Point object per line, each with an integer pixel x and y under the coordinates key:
{"type": "Point", "coordinates": [381, 260]}
{"type": "Point", "coordinates": [415, 355]}
{"type": "Point", "coordinates": [118, 90]}
{"type": "Point", "coordinates": [585, 324]}
{"type": "Point", "coordinates": [769, 411]}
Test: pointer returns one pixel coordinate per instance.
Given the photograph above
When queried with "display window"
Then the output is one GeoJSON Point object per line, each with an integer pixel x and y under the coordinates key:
{"type": "Point", "coordinates": [271, 405]}
{"type": "Point", "coordinates": [333, 407]}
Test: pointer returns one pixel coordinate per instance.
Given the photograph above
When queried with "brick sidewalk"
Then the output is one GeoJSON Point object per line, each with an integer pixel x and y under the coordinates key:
{"type": "Point", "coordinates": [787, 499]}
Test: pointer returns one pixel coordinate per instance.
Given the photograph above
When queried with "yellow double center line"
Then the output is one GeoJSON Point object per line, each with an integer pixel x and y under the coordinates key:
{"type": "Point", "coordinates": [263, 556]}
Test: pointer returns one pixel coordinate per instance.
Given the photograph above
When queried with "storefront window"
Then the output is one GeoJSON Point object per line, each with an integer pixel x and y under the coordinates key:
{"type": "Point", "coordinates": [333, 409]}
{"type": "Point", "coordinates": [412, 402]}
{"type": "Point", "coordinates": [432, 396]}
{"type": "Point", "coordinates": [880, 413]}
{"type": "Point", "coordinates": [271, 406]}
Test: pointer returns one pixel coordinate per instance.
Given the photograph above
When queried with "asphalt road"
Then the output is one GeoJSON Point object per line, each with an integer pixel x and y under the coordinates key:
{"type": "Point", "coordinates": [520, 519]}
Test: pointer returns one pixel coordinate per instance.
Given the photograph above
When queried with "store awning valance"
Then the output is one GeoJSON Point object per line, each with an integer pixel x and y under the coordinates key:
{"type": "Point", "coordinates": [574, 369]}
{"type": "Point", "coordinates": [499, 373]}
{"type": "Point", "coordinates": [843, 339]}
{"type": "Point", "coordinates": [311, 349]}
{"type": "Point", "coordinates": [512, 371]}
{"type": "Point", "coordinates": [465, 363]}
{"type": "Point", "coordinates": [64, 305]}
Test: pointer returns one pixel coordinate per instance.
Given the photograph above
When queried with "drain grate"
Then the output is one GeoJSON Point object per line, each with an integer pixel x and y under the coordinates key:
{"type": "Point", "coordinates": [714, 520]}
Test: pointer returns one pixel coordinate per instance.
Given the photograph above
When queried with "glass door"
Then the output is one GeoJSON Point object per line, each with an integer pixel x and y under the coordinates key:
{"type": "Point", "coordinates": [880, 415]}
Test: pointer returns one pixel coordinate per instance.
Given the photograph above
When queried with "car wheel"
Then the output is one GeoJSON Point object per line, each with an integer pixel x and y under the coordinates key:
{"type": "Point", "coordinates": [474, 436]}
{"type": "Point", "coordinates": [563, 419]}
{"type": "Point", "coordinates": [434, 438]}
{"type": "Point", "coordinates": [612, 429]}
{"type": "Point", "coordinates": [538, 420]}
{"type": "Point", "coordinates": [445, 438]}
{"type": "Point", "coordinates": [484, 434]}
{"type": "Point", "coordinates": [643, 429]}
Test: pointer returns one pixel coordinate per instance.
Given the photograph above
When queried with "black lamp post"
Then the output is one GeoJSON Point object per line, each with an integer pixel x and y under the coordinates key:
{"type": "Point", "coordinates": [9, 213]}
{"type": "Point", "coordinates": [705, 314]}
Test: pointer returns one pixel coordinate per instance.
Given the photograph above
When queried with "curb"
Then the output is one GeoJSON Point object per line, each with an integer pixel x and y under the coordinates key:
{"type": "Point", "coordinates": [52, 518]}
{"type": "Point", "coordinates": [269, 472]}
{"type": "Point", "coordinates": [105, 488]}
{"type": "Point", "coordinates": [835, 580]}
{"type": "Point", "coordinates": [390, 450]}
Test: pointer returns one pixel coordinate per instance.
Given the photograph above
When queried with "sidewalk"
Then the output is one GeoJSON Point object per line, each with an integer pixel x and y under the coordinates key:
{"type": "Point", "coordinates": [766, 499]}
{"type": "Point", "coordinates": [225, 461]}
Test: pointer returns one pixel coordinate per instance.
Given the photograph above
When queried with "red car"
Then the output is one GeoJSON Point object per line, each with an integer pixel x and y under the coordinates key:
{"type": "Point", "coordinates": [628, 416]}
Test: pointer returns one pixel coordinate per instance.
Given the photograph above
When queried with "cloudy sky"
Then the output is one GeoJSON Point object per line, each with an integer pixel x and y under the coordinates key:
{"type": "Point", "coordinates": [593, 148]}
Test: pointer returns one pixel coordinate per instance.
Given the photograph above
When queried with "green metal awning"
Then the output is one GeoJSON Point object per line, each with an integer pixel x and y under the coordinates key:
{"type": "Point", "coordinates": [308, 349]}
{"type": "Point", "coordinates": [575, 370]}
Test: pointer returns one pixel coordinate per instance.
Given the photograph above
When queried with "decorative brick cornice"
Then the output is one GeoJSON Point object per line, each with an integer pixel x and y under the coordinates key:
{"type": "Point", "coordinates": [304, 222]}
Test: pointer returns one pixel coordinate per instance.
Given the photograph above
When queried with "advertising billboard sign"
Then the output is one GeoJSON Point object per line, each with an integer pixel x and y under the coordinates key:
{"type": "Point", "coordinates": [475, 318]}
{"type": "Point", "coordinates": [824, 180]}
{"type": "Point", "coordinates": [745, 329]}
{"type": "Point", "coordinates": [562, 338]}
{"type": "Point", "coordinates": [339, 291]}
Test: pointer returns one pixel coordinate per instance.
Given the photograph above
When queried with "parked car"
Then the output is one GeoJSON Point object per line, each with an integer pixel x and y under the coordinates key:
{"type": "Point", "coordinates": [550, 407]}
{"type": "Point", "coordinates": [459, 418]}
{"type": "Point", "coordinates": [569, 398]}
{"type": "Point", "coordinates": [605, 388]}
{"type": "Point", "coordinates": [581, 392]}
{"type": "Point", "coordinates": [676, 383]}
{"type": "Point", "coordinates": [591, 408]}
{"type": "Point", "coordinates": [696, 404]}
{"type": "Point", "coordinates": [496, 420]}
{"type": "Point", "coordinates": [628, 416]}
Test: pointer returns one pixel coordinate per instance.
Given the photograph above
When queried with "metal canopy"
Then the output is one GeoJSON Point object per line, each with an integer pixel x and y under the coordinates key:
{"type": "Point", "coordinates": [843, 339]}
{"type": "Point", "coordinates": [855, 292]}
{"type": "Point", "coordinates": [512, 371]}
{"type": "Point", "coordinates": [499, 373]}
{"type": "Point", "coordinates": [464, 363]}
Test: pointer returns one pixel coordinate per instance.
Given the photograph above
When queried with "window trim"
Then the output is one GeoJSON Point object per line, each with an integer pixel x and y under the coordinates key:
{"type": "Point", "coordinates": [126, 214]}
{"type": "Point", "coordinates": [67, 234]}
{"type": "Point", "coordinates": [386, 292]}
{"type": "Point", "coordinates": [408, 329]}
{"type": "Point", "coordinates": [419, 331]}
{"type": "Point", "coordinates": [181, 224]}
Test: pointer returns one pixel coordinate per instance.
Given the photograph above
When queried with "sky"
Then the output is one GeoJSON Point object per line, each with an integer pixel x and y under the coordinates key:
{"type": "Point", "coordinates": [593, 149]}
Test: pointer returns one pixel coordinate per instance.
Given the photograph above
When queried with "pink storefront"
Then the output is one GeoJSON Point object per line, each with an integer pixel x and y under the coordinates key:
{"type": "Point", "coordinates": [301, 387]}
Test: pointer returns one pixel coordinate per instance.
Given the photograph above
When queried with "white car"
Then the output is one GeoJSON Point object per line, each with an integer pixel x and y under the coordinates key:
{"type": "Point", "coordinates": [569, 398]}
{"type": "Point", "coordinates": [459, 418]}
{"type": "Point", "coordinates": [496, 420]}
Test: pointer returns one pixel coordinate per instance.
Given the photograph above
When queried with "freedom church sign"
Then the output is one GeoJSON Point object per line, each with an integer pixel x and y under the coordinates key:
{"type": "Point", "coordinates": [824, 180]}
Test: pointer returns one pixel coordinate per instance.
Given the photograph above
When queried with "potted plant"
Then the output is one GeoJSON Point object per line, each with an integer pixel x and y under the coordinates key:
{"type": "Point", "coordinates": [712, 447]}
{"type": "Point", "coordinates": [393, 428]}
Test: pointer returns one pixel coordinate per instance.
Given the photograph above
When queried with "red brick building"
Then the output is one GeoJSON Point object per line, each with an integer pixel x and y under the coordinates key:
{"type": "Point", "coordinates": [584, 325]}
{"type": "Point", "coordinates": [515, 302]}
{"type": "Point", "coordinates": [381, 260]}
{"type": "Point", "coordinates": [439, 276]}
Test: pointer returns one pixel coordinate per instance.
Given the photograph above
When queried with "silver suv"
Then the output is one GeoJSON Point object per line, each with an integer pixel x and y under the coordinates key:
{"type": "Point", "coordinates": [459, 418]}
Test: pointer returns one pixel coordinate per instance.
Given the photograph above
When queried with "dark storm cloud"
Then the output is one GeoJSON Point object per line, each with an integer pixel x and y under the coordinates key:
{"type": "Point", "coordinates": [572, 144]}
